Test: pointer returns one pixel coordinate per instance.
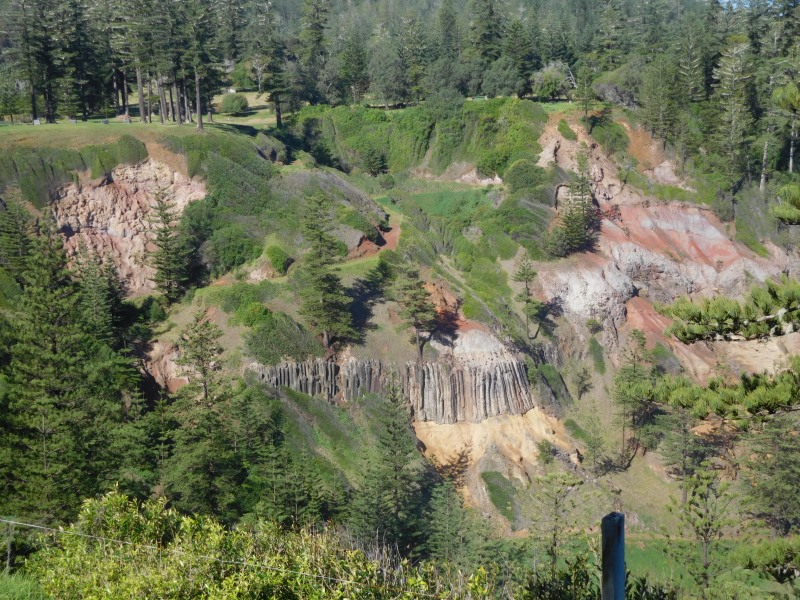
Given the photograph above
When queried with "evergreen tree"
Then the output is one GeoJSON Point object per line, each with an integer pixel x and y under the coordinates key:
{"type": "Point", "coordinates": [102, 294]}
{"type": "Point", "coordinates": [64, 394]}
{"type": "Point", "coordinates": [787, 100]}
{"type": "Point", "coordinates": [387, 74]}
{"type": "Point", "coordinates": [634, 382]}
{"type": "Point", "coordinates": [267, 53]}
{"type": "Point", "coordinates": [682, 450]}
{"type": "Point", "coordinates": [659, 97]}
{"type": "Point", "coordinates": [414, 54]}
{"type": "Point", "coordinates": [553, 510]}
{"type": "Point", "coordinates": [170, 259]}
{"type": "Point", "coordinates": [611, 34]}
{"type": "Point", "coordinates": [485, 30]}
{"type": "Point", "coordinates": [447, 32]}
{"type": "Point", "coordinates": [456, 536]}
{"type": "Point", "coordinates": [15, 238]}
{"type": "Point", "coordinates": [202, 474]}
{"type": "Point", "coordinates": [774, 475]}
{"type": "Point", "coordinates": [735, 123]}
{"type": "Point", "coordinates": [353, 64]}
{"type": "Point", "coordinates": [703, 518]}
{"type": "Point", "coordinates": [416, 307]}
{"type": "Point", "coordinates": [324, 301]}
{"type": "Point", "coordinates": [525, 274]}
{"type": "Point", "coordinates": [386, 506]}
{"type": "Point", "coordinates": [312, 52]}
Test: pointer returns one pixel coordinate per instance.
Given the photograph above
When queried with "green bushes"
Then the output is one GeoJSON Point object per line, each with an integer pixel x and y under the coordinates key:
{"type": "Point", "coordinates": [611, 136]}
{"type": "Point", "coordinates": [239, 210]}
{"type": "Point", "coordinates": [237, 296]}
{"type": "Point", "coordinates": [234, 103]}
{"type": "Point", "coordinates": [39, 172]}
{"type": "Point", "coordinates": [275, 336]}
{"type": "Point", "coordinates": [566, 131]}
{"type": "Point", "coordinates": [501, 493]}
{"type": "Point", "coordinates": [491, 134]}
{"type": "Point", "coordinates": [279, 259]}
{"type": "Point", "coordinates": [523, 174]}
{"type": "Point", "coordinates": [230, 247]}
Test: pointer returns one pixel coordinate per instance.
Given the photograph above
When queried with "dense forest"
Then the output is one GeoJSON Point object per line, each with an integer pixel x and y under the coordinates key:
{"type": "Point", "coordinates": [114, 484]}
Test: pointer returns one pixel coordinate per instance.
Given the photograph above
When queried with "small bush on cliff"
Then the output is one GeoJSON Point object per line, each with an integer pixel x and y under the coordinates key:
{"type": "Point", "coordinates": [279, 259]}
{"type": "Point", "coordinates": [234, 103]}
{"type": "Point", "coordinates": [276, 336]}
{"type": "Point", "coordinates": [565, 130]}
{"type": "Point", "coordinates": [524, 175]}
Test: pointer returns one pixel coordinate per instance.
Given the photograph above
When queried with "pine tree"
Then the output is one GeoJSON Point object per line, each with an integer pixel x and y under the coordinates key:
{"type": "Point", "coordinates": [170, 259]}
{"type": "Point", "coordinates": [690, 66]}
{"type": "Point", "coordinates": [525, 274]}
{"type": "Point", "coordinates": [354, 62]}
{"type": "Point", "coordinates": [485, 30]}
{"type": "Point", "coordinates": [553, 514]}
{"type": "Point", "coordinates": [518, 45]}
{"type": "Point", "coordinates": [15, 238]}
{"type": "Point", "coordinates": [64, 393]}
{"type": "Point", "coordinates": [102, 294]}
{"type": "Point", "coordinates": [703, 518]}
{"type": "Point", "coordinates": [324, 301]}
{"type": "Point", "coordinates": [735, 123]}
{"type": "Point", "coordinates": [634, 382]}
{"type": "Point", "coordinates": [447, 32]}
{"type": "Point", "coordinates": [203, 472]}
{"type": "Point", "coordinates": [456, 536]}
{"type": "Point", "coordinates": [313, 50]}
{"type": "Point", "coordinates": [267, 53]}
{"type": "Point", "coordinates": [774, 475]}
{"type": "Point", "coordinates": [416, 307]}
{"type": "Point", "coordinates": [414, 54]}
{"type": "Point", "coordinates": [387, 504]}
{"type": "Point", "coordinates": [787, 100]}
{"type": "Point", "coordinates": [659, 97]}
{"type": "Point", "coordinates": [611, 35]}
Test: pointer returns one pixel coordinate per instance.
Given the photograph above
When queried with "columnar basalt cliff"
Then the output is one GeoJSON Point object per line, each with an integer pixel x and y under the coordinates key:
{"type": "Point", "coordinates": [109, 216]}
{"type": "Point", "coordinates": [475, 378]}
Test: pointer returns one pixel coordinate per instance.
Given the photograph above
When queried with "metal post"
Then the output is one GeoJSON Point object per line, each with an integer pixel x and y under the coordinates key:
{"type": "Point", "coordinates": [613, 530]}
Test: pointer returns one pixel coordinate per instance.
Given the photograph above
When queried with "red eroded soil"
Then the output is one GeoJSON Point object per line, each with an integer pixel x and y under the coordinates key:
{"type": "Point", "coordinates": [368, 248]}
{"type": "Point", "coordinates": [680, 231]}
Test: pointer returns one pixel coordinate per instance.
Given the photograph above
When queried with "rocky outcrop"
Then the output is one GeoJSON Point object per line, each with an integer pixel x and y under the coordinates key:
{"type": "Point", "coordinates": [109, 216]}
{"type": "Point", "coordinates": [475, 378]}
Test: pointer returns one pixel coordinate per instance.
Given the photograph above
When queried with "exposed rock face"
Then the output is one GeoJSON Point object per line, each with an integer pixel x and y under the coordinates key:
{"type": "Point", "coordinates": [648, 251]}
{"type": "Point", "coordinates": [475, 378]}
{"type": "Point", "coordinates": [110, 216]}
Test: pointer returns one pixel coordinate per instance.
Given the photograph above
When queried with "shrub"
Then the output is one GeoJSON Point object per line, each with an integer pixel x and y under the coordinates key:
{"type": "Point", "coordinates": [611, 136]}
{"type": "Point", "coordinates": [594, 326]}
{"type": "Point", "coordinates": [279, 259]}
{"type": "Point", "coordinates": [234, 103]}
{"type": "Point", "coordinates": [566, 131]}
{"type": "Point", "coordinates": [230, 247]}
{"type": "Point", "coordinates": [277, 336]}
{"type": "Point", "coordinates": [373, 161]}
{"type": "Point", "coordinates": [547, 452]}
{"type": "Point", "coordinates": [524, 175]}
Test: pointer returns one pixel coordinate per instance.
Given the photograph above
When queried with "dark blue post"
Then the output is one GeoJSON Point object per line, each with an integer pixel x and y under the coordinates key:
{"type": "Point", "coordinates": [613, 529]}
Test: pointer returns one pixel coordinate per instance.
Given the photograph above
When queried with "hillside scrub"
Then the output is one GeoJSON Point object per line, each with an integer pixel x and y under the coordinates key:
{"type": "Point", "coordinates": [39, 172]}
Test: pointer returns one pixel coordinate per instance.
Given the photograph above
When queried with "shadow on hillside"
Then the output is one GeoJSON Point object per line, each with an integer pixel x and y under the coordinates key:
{"type": "Point", "coordinates": [364, 293]}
